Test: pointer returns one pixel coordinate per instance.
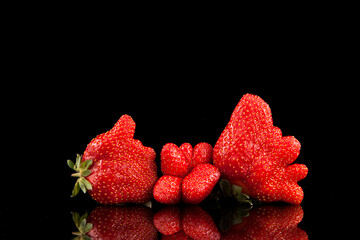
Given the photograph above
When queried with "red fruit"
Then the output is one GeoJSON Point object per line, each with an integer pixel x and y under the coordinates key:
{"type": "Point", "coordinates": [203, 153]}
{"type": "Point", "coordinates": [177, 162]}
{"type": "Point", "coordinates": [269, 222]}
{"type": "Point", "coordinates": [168, 220]}
{"type": "Point", "coordinates": [252, 153]}
{"type": "Point", "coordinates": [199, 225]}
{"type": "Point", "coordinates": [199, 183]}
{"type": "Point", "coordinates": [122, 222]}
{"type": "Point", "coordinates": [167, 189]}
{"type": "Point", "coordinates": [187, 150]}
{"type": "Point", "coordinates": [173, 161]}
{"type": "Point", "coordinates": [116, 168]}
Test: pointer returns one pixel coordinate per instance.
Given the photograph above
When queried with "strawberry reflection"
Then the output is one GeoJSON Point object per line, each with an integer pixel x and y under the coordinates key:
{"type": "Point", "coordinates": [119, 222]}
{"type": "Point", "coordinates": [269, 222]}
{"type": "Point", "coordinates": [263, 222]}
{"type": "Point", "coordinates": [191, 222]}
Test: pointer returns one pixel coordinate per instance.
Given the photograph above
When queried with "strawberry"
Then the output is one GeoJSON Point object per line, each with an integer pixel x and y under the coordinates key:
{"type": "Point", "coordinates": [253, 154]}
{"type": "Point", "coordinates": [269, 222]}
{"type": "Point", "coordinates": [167, 189]}
{"type": "Point", "coordinates": [115, 168]}
{"type": "Point", "coordinates": [202, 153]}
{"type": "Point", "coordinates": [199, 183]}
{"type": "Point", "coordinates": [121, 222]}
{"type": "Point", "coordinates": [168, 220]}
{"type": "Point", "coordinates": [173, 161]}
{"type": "Point", "coordinates": [176, 163]}
{"type": "Point", "coordinates": [198, 224]}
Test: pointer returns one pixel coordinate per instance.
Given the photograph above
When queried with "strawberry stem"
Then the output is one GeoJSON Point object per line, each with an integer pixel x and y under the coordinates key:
{"type": "Point", "coordinates": [82, 171]}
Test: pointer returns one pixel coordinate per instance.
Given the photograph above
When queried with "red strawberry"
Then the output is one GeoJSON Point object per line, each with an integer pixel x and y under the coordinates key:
{"type": "Point", "coordinates": [116, 168]}
{"type": "Point", "coordinates": [252, 153]}
{"type": "Point", "coordinates": [269, 222]}
{"type": "Point", "coordinates": [168, 220]}
{"type": "Point", "coordinates": [122, 222]}
{"type": "Point", "coordinates": [199, 225]}
{"type": "Point", "coordinates": [199, 183]}
{"type": "Point", "coordinates": [167, 189]}
{"type": "Point", "coordinates": [202, 153]}
{"type": "Point", "coordinates": [174, 161]}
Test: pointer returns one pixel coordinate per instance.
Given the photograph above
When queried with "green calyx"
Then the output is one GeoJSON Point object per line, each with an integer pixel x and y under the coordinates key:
{"type": "Point", "coordinates": [233, 191]}
{"type": "Point", "coordinates": [82, 171]}
{"type": "Point", "coordinates": [82, 226]}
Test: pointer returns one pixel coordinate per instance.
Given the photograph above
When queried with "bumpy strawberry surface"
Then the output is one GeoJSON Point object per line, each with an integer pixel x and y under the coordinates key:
{"type": "Point", "coordinates": [253, 154]}
{"type": "Point", "coordinates": [173, 161]}
{"type": "Point", "coordinates": [167, 189]}
{"type": "Point", "coordinates": [123, 170]}
{"type": "Point", "coordinates": [199, 183]}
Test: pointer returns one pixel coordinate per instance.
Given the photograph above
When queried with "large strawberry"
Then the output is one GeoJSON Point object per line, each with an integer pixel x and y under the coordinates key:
{"type": "Point", "coordinates": [115, 168]}
{"type": "Point", "coordinates": [253, 154]}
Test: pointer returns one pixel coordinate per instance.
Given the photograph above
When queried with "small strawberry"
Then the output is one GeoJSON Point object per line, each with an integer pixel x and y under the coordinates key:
{"type": "Point", "coordinates": [203, 153]}
{"type": "Point", "coordinates": [178, 161]}
{"type": "Point", "coordinates": [174, 161]}
{"type": "Point", "coordinates": [253, 154]}
{"type": "Point", "coordinates": [199, 183]}
{"type": "Point", "coordinates": [168, 220]}
{"type": "Point", "coordinates": [199, 225]}
{"type": "Point", "coordinates": [115, 168]}
{"type": "Point", "coordinates": [167, 189]}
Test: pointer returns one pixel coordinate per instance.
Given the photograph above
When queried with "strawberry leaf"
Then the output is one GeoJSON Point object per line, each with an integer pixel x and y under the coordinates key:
{"type": "Point", "coordinates": [70, 164]}
{"type": "Point", "coordinates": [82, 171]}
{"type": "Point", "coordinates": [76, 189]}
{"type": "Point", "coordinates": [86, 173]}
{"type": "Point", "coordinates": [82, 186]}
{"type": "Point", "coordinates": [87, 184]}
{"type": "Point", "coordinates": [85, 164]}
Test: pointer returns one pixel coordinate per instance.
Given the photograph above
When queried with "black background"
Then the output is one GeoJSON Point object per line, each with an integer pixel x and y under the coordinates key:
{"type": "Point", "coordinates": [71, 84]}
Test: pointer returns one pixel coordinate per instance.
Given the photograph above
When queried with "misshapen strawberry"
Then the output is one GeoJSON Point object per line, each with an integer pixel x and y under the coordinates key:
{"type": "Point", "coordinates": [115, 168]}
{"type": "Point", "coordinates": [173, 161]}
{"type": "Point", "coordinates": [252, 153]}
{"type": "Point", "coordinates": [179, 162]}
